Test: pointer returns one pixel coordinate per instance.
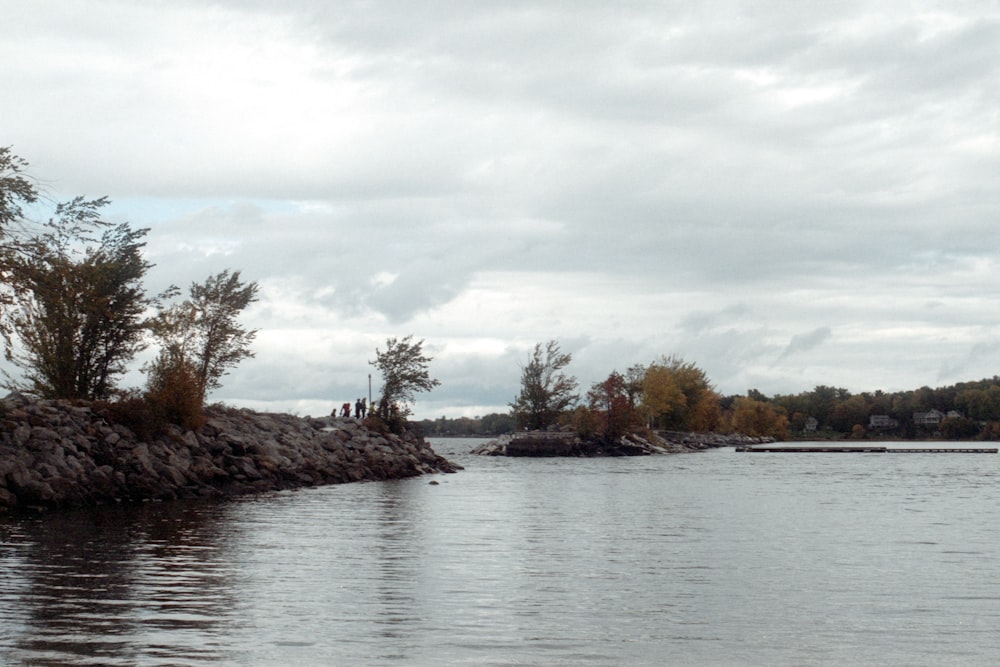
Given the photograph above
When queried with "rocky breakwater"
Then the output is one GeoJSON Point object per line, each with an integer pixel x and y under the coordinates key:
{"type": "Point", "coordinates": [62, 454]}
{"type": "Point", "coordinates": [565, 443]}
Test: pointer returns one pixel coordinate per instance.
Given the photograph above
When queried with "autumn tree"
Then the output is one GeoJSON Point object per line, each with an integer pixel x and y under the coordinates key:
{"type": "Point", "coordinates": [678, 395]}
{"type": "Point", "coordinates": [201, 338]}
{"type": "Point", "coordinates": [758, 419]}
{"type": "Point", "coordinates": [78, 302]}
{"type": "Point", "coordinates": [662, 401]}
{"type": "Point", "coordinates": [404, 368]}
{"type": "Point", "coordinates": [546, 390]}
{"type": "Point", "coordinates": [609, 401]}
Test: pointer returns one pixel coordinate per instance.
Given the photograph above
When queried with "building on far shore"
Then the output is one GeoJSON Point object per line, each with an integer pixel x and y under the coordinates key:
{"type": "Point", "coordinates": [933, 417]}
{"type": "Point", "coordinates": [882, 422]}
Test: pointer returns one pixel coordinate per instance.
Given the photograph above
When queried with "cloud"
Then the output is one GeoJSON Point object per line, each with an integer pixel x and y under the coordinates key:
{"type": "Point", "coordinates": [805, 342]}
{"type": "Point", "coordinates": [645, 179]}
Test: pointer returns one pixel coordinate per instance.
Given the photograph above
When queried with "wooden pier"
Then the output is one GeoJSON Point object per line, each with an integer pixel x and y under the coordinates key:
{"type": "Point", "coordinates": [867, 449]}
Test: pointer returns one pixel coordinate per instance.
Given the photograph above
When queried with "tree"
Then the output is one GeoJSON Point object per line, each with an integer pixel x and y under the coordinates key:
{"type": "Point", "coordinates": [201, 338]}
{"type": "Point", "coordinates": [16, 189]}
{"type": "Point", "coordinates": [404, 373]}
{"type": "Point", "coordinates": [78, 302]}
{"type": "Point", "coordinates": [663, 402]}
{"type": "Point", "coordinates": [960, 428]}
{"type": "Point", "coordinates": [757, 418]}
{"type": "Point", "coordinates": [172, 391]}
{"type": "Point", "coordinates": [678, 395]}
{"type": "Point", "coordinates": [610, 402]}
{"type": "Point", "coordinates": [546, 391]}
{"type": "Point", "coordinates": [849, 412]}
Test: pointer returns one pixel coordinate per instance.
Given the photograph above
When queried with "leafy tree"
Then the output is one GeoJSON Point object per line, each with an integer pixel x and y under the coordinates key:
{"type": "Point", "coordinates": [663, 402]}
{"type": "Point", "coordinates": [201, 338]}
{"type": "Point", "coordinates": [609, 400]}
{"type": "Point", "coordinates": [634, 377]}
{"type": "Point", "coordinates": [491, 424]}
{"type": "Point", "coordinates": [845, 414]}
{"type": "Point", "coordinates": [496, 424]}
{"type": "Point", "coordinates": [16, 188]}
{"type": "Point", "coordinates": [960, 428]}
{"type": "Point", "coordinates": [980, 403]}
{"type": "Point", "coordinates": [78, 302]}
{"type": "Point", "coordinates": [404, 373]}
{"type": "Point", "coordinates": [172, 391]}
{"type": "Point", "coordinates": [583, 421]}
{"type": "Point", "coordinates": [678, 395]}
{"type": "Point", "coordinates": [758, 418]}
{"type": "Point", "coordinates": [546, 391]}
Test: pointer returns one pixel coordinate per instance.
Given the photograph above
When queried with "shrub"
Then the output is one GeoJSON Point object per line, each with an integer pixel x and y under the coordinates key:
{"type": "Point", "coordinates": [134, 412]}
{"type": "Point", "coordinates": [173, 391]}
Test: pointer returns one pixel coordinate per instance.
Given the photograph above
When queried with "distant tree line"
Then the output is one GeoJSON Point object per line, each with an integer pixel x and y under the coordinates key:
{"type": "Point", "coordinates": [491, 425]}
{"type": "Point", "coordinates": [967, 410]}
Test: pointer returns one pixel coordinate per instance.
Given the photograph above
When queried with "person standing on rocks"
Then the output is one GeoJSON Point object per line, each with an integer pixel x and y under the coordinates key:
{"type": "Point", "coordinates": [357, 409]}
{"type": "Point", "coordinates": [364, 407]}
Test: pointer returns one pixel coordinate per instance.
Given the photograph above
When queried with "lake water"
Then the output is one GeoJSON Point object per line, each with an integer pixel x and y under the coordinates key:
{"type": "Point", "coordinates": [714, 558]}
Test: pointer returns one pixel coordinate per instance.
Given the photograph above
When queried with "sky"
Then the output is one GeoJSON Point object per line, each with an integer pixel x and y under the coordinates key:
{"type": "Point", "coordinates": [786, 194]}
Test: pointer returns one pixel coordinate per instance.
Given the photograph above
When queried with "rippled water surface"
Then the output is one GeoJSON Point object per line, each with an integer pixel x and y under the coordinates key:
{"type": "Point", "coordinates": [714, 558]}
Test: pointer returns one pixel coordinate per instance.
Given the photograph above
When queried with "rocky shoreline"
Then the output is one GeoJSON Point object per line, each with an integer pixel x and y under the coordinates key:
{"type": "Point", "coordinates": [563, 443]}
{"type": "Point", "coordinates": [57, 454]}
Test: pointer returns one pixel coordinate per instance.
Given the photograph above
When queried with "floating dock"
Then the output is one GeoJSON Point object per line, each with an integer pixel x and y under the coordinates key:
{"type": "Point", "coordinates": [857, 449]}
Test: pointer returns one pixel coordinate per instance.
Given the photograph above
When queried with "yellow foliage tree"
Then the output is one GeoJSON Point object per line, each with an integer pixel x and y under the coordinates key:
{"type": "Point", "coordinates": [678, 395]}
{"type": "Point", "coordinates": [758, 419]}
{"type": "Point", "coordinates": [661, 397]}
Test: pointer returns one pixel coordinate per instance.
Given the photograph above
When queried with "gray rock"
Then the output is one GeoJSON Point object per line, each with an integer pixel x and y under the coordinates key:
{"type": "Point", "coordinates": [53, 454]}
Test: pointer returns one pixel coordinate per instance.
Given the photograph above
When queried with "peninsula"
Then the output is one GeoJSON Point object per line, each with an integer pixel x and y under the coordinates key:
{"type": "Point", "coordinates": [56, 453]}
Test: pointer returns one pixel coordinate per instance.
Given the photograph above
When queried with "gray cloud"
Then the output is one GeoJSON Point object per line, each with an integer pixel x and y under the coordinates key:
{"type": "Point", "coordinates": [805, 342]}
{"type": "Point", "coordinates": [635, 180]}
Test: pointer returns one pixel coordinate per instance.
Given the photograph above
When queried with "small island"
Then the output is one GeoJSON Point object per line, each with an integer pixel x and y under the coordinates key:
{"type": "Point", "coordinates": [573, 444]}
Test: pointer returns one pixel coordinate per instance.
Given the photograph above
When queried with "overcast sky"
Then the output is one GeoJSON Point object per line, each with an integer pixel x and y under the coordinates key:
{"type": "Point", "coordinates": [785, 193]}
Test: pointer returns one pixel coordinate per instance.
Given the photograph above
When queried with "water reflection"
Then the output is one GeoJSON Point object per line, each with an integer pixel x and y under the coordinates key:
{"type": "Point", "coordinates": [396, 565]}
{"type": "Point", "coordinates": [115, 586]}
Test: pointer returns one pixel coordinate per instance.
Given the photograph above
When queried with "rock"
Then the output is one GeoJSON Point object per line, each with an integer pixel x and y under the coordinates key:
{"type": "Point", "coordinates": [53, 454]}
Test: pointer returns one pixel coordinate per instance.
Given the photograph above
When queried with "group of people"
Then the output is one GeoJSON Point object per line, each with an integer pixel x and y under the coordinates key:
{"type": "Point", "coordinates": [360, 409]}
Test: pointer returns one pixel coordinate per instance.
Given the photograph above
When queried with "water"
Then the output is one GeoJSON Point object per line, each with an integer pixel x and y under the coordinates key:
{"type": "Point", "coordinates": [715, 558]}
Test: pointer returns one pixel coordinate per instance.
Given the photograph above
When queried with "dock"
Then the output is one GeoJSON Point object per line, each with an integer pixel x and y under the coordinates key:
{"type": "Point", "coordinates": [866, 449]}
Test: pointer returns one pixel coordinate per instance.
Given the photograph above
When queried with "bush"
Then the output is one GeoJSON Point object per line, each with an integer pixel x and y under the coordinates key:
{"type": "Point", "coordinates": [134, 412]}
{"type": "Point", "coordinates": [174, 392]}
{"type": "Point", "coordinates": [395, 424]}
